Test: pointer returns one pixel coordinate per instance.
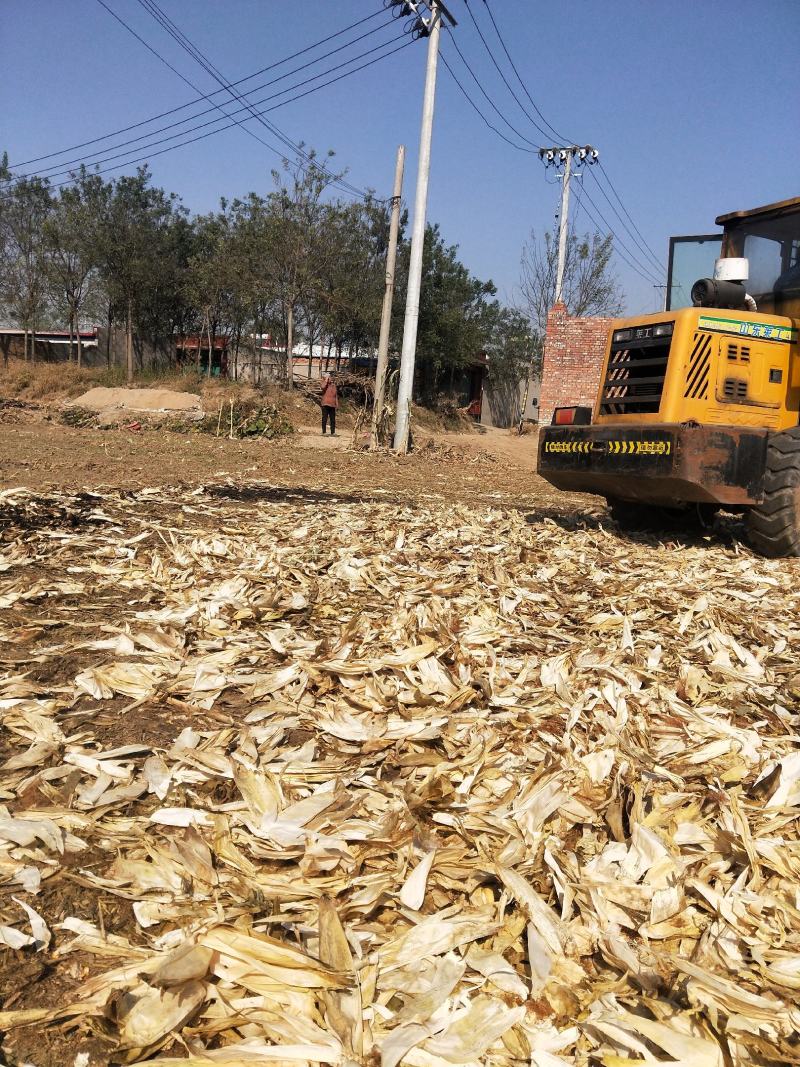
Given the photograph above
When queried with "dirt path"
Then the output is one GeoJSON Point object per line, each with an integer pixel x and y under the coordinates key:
{"type": "Point", "coordinates": [504, 444]}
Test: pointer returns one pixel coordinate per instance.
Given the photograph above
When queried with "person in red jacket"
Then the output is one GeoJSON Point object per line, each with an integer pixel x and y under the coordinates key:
{"type": "Point", "coordinates": [330, 402]}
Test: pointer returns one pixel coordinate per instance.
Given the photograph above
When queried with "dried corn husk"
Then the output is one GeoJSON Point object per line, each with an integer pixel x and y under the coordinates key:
{"type": "Point", "coordinates": [416, 782]}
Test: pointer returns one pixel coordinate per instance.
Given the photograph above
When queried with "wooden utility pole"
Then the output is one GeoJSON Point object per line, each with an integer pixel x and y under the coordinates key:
{"type": "Point", "coordinates": [388, 294]}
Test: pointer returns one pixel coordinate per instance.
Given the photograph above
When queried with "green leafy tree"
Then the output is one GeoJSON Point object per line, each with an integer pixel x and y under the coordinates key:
{"type": "Point", "coordinates": [208, 277]}
{"type": "Point", "coordinates": [257, 306]}
{"type": "Point", "coordinates": [454, 316]}
{"type": "Point", "coordinates": [71, 254]}
{"type": "Point", "coordinates": [27, 206]}
{"type": "Point", "coordinates": [351, 278]}
{"type": "Point", "coordinates": [514, 354]}
{"type": "Point", "coordinates": [134, 245]}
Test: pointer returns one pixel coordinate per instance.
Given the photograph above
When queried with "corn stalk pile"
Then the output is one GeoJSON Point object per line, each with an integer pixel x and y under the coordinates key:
{"type": "Point", "coordinates": [392, 781]}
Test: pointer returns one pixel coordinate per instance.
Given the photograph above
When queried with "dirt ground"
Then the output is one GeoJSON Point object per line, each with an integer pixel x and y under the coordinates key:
{"type": "Point", "coordinates": [48, 455]}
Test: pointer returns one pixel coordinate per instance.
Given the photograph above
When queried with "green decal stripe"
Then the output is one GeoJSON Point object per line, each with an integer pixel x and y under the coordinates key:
{"type": "Point", "coordinates": [741, 328]}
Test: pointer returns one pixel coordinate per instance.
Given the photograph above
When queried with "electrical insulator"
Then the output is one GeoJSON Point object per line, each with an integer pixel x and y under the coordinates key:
{"type": "Point", "coordinates": [399, 8]}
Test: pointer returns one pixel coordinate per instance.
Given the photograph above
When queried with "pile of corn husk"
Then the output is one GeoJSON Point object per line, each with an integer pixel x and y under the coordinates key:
{"type": "Point", "coordinates": [444, 787]}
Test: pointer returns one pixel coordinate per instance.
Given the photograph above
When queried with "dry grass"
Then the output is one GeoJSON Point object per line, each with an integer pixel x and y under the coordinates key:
{"type": "Point", "coordinates": [56, 382]}
{"type": "Point", "coordinates": [40, 381]}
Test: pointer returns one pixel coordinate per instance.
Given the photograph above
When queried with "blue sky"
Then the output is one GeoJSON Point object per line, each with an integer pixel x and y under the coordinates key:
{"type": "Point", "coordinates": [693, 106]}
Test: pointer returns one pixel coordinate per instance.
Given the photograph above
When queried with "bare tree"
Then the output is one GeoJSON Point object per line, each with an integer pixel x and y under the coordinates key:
{"type": "Point", "coordinates": [590, 285]}
{"type": "Point", "coordinates": [297, 211]}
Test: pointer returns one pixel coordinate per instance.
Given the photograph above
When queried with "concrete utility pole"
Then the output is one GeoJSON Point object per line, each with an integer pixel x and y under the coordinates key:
{"type": "Point", "coordinates": [430, 27]}
{"type": "Point", "coordinates": [563, 226]}
{"type": "Point", "coordinates": [563, 157]}
{"type": "Point", "coordinates": [388, 294]}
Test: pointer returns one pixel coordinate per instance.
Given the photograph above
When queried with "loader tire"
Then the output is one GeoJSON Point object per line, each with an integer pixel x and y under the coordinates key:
{"type": "Point", "coordinates": [773, 527]}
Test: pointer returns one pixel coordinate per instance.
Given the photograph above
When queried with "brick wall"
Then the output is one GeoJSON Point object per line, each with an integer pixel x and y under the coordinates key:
{"type": "Point", "coordinates": [573, 357]}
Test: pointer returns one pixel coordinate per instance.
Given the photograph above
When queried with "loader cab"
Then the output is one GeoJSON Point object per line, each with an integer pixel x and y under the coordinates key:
{"type": "Point", "coordinates": [769, 238]}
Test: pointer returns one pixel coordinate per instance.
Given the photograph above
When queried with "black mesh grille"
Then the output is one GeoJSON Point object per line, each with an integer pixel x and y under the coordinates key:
{"type": "Point", "coordinates": [635, 377]}
{"type": "Point", "coordinates": [735, 389]}
{"type": "Point", "coordinates": [739, 353]}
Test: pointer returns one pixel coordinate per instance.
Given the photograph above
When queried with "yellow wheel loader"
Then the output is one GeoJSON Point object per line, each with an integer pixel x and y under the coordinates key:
{"type": "Point", "coordinates": [698, 408]}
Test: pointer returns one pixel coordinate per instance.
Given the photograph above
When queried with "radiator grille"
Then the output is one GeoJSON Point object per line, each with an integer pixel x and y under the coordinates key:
{"type": "Point", "coordinates": [699, 366]}
{"type": "Point", "coordinates": [734, 389]}
{"type": "Point", "coordinates": [635, 377]}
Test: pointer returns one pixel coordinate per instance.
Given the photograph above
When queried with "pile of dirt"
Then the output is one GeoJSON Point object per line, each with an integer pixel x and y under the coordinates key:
{"type": "Point", "coordinates": [112, 405]}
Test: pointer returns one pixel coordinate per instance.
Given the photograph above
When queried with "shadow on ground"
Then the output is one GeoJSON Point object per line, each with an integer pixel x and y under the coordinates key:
{"type": "Point", "coordinates": [279, 494]}
{"type": "Point", "coordinates": [725, 531]}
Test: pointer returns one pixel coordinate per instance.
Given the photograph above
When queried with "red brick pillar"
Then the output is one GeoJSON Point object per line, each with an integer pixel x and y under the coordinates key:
{"type": "Point", "coordinates": [574, 349]}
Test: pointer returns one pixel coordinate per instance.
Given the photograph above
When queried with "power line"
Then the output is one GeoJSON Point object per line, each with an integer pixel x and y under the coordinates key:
{"type": "Point", "coordinates": [239, 81]}
{"type": "Point", "coordinates": [638, 244]}
{"type": "Point", "coordinates": [618, 251]}
{"type": "Point", "coordinates": [489, 100]}
{"type": "Point", "coordinates": [643, 247]}
{"type": "Point", "coordinates": [556, 134]}
{"type": "Point", "coordinates": [619, 198]}
{"type": "Point", "coordinates": [508, 86]}
{"type": "Point", "coordinates": [172, 29]}
{"type": "Point", "coordinates": [64, 166]}
{"type": "Point", "coordinates": [642, 269]}
{"type": "Point", "coordinates": [344, 186]}
{"type": "Point", "coordinates": [149, 47]}
{"type": "Point", "coordinates": [210, 133]}
{"type": "Point", "coordinates": [451, 72]}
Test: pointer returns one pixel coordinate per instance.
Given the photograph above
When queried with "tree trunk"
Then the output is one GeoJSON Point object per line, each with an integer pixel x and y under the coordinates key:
{"type": "Point", "coordinates": [200, 342]}
{"type": "Point", "coordinates": [80, 348]}
{"type": "Point", "coordinates": [108, 338]}
{"type": "Point", "coordinates": [33, 345]}
{"type": "Point", "coordinates": [328, 355]}
{"type": "Point", "coordinates": [289, 346]}
{"type": "Point", "coordinates": [25, 346]}
{"type": "Point", "coordinates": [71, 334]}
{"type": "Point", "coordinates": [210, 347]}
{"type": "Point", "coordinates": [310, 352]}
{"type": "Point", "coordinates": [129, 343]}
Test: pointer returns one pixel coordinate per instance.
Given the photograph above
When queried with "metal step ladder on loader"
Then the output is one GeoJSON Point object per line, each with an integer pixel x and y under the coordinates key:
{"type": "Point", "coordinates": [699, 408]}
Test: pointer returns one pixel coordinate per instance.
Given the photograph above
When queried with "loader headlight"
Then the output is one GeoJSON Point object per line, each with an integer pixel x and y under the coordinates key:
{"type": "Point", "coordinates": [622, 335]}
{"type": "Point", "coordinates": [664, 330]}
